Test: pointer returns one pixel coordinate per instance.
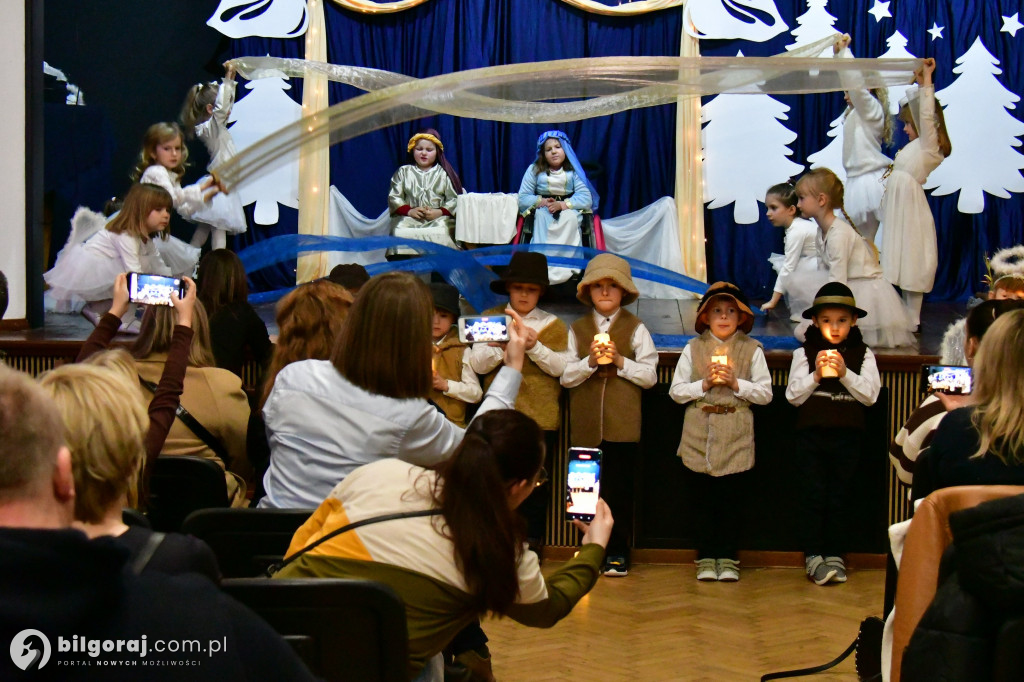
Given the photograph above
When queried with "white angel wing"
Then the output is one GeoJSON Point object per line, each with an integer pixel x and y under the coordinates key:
{"type": "Point", "coordinates": [264, 18]}
{"type": "Point", "coordinates": [756, 20]}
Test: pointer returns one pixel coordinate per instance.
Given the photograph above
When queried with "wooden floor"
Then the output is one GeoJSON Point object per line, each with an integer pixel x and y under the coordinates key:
{"type": "Point", "coordinates": [659, 623]}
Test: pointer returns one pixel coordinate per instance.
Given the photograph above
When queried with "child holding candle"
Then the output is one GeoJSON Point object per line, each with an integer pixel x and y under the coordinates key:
{"type": "Point", "coordinates": [832, 379]}
{"type": "Point", "coordinates": [455, 384]}
{"type": "Point", "coordinates": [719, 374]}
{"type": "Point", "coordinates": [547, 337]}
{"type": "Point", "coordinates": [605, 379]}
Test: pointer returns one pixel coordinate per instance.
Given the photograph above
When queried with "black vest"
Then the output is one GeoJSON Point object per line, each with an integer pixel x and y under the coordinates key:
{"type": "Point", "coordinates": [831, 405]}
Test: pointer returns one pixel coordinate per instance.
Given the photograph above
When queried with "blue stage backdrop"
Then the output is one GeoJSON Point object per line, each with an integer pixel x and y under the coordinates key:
{"type": "Point", "coordinates": [632, 153]}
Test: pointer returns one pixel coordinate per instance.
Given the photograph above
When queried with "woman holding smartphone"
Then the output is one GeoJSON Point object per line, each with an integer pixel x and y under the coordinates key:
{"type": "Point", "coordinates": [459, 553]}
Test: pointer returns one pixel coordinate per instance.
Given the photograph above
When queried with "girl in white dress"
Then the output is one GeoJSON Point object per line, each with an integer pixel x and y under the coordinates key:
{"type": "Point", "coordinates": [850, 259]}
{"type": "Point", "coordinates": [128, 243]}
{"type": "Point", "coordinates": [909, 250]}
{"type": "Point", "coordinates": [799, 275]}
{"type": "Point", "coordinates": [205, 115]}
{"type": "Point", "coordinates": [866, 125]}
{"type": "Point", "coordinates": [162, 162]}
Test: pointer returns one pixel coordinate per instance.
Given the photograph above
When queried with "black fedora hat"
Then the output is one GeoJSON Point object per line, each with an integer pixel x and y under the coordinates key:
{"type": "Point", "coordinates": [834, 295]}
{"type": "Point", "coordinates": [526, 267]}
{"type": "Point", "coordinates": [446, 297]}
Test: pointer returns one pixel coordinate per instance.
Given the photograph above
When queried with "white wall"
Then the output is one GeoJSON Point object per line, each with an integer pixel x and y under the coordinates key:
{"type": "Point", "coordinates": [12, 157]}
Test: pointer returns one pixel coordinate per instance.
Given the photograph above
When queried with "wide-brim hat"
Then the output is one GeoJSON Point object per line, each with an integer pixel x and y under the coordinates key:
{"type": "Point", "coordinates": [446, 297]}
{"type": "Point", "coordinates": [607, 266]}
{"type": "Point", "coordinates": [727, 290]}
{"type": "Point", "coordinates": [834, 295]}
{"type": "Point", "coordinates": [526, 267]}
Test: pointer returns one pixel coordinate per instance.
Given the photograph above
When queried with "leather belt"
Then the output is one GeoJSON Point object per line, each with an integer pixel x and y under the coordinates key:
{"type": "Point", "coordinates": [717, 409]}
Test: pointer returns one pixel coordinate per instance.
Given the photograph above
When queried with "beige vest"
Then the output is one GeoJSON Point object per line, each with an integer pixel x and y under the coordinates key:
{"type": "Point", "coordinates": [448, 363]}
{"type": "Point", "coordinates": [539, 392]}
{"type": "Point", "coordinates": [605, 406]}
{"type": "Point", "coordinates": [719, 444]}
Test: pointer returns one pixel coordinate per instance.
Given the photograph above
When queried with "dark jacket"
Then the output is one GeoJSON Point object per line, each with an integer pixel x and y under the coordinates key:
{"type": "Point", "coordinates": [981, 585]}
{"type": "Point", "coordinates": [65, 586]}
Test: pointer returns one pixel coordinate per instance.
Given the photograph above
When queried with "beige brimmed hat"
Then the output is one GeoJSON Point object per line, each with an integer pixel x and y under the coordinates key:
{"type": "Point", "coordinates": [607, 266]}
{"type": "Point", "coordinates": [727, 290]}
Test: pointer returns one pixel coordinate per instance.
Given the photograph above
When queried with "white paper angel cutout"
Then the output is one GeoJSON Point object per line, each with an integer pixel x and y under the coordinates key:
{"type": "Point", "coordinates": [263, 18]}
{"type": "Point", "coordinates": [756, 20]}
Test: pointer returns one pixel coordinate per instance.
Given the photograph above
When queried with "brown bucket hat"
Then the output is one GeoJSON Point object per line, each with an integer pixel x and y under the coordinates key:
{"type": "Point", "coordinates": [727, 290]}
{"type": "Point", "coordinates": [607, 266]}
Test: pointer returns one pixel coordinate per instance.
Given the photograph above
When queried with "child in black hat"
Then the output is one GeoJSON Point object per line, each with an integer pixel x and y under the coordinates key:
{"type": "Point", "coordinates": [455, 383]}
{"type": "Point", "coordinates": [832, 379]}
{"type": "Point", "coordinates": [525, 281]}
{"type": "Point", "coordinates": [719, 374]}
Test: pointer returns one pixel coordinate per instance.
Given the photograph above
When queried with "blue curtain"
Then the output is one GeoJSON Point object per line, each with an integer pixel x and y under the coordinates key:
{"type": "Point", "coordinates": [631, 156]}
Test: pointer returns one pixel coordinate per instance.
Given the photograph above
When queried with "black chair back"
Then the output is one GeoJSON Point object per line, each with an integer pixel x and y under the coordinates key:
{"type": "Point", "coordinates": [350, 630]}
{"type": "Point", "coordinates": [246, 541]}
{"type": "Point", "coordinates": [181, 484]}
{"type": "Point", "coordinates": [133, 517]}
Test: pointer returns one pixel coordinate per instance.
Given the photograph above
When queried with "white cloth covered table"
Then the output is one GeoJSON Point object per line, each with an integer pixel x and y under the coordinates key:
{"type": "Point", "coordinates": [486, 218]}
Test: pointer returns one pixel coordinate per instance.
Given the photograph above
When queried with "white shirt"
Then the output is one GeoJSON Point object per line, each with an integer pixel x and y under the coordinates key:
{"type": "Point", "coordinates": [485, 358]}
{"type": "Point", "coordinates": [845, 254]}
{"type": "Point", "coordinates": [187, 200]}
{"type": "Point", "coordinates": [757, 390]}
{"type": "Point", "coordinates": [801, 242]}
{"type": "Point", "coordinates": [864, 386]}
{"type": "Point", "coordinates": [468, 388]}
{"type": "Point", "coordinates": [643, 371]}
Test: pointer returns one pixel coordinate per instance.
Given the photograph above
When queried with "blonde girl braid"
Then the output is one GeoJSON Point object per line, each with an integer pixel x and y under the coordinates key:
{"type": "Point", "coordinates": [193, 111]}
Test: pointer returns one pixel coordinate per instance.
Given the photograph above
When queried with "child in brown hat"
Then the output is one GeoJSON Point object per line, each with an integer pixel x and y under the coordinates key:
{"type": "Point", "coordinates": [525, 282]}
{"type": "Point", "coordinates": [455, 382]}
{"type": "Point", "coordinates": [612, 358]}
{"type": "Point", "coordinates": [719, 374]}
{"type": "Point", "coordinates": [832, 378]}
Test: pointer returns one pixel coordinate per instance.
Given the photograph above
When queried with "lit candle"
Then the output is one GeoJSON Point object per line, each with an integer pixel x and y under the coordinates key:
{"type": "Point", "coordinates": [722, 359]}
{"type": "Point", "coordinates": [827, 372]}
{"type": "Point", "coordinates": [603, 339]}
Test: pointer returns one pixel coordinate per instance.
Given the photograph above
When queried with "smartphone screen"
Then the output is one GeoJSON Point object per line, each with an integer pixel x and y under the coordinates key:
{"type": "Point", "coordinates": [953, 380]}
{"type": "Point", "coordinates": [583, 483]}
{"type": "Point", "coordinates": [478, 329]}
{"type": "Point", "coordinates": [152, 289]}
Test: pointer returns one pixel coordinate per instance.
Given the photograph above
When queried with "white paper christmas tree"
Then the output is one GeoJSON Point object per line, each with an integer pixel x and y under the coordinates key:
{"type": "Point", "coordinates": [831, 156]}
{"type": "Point", "coordinates": [263, 111]}
{"type": "Point", "coordinates": [984, 134]}
{"type": "Point", "coordinates": [897, 50]}
{"type": "Point", "coordinates": [813, 25]}
{"type": "Point", "coordinates": [745, 151]}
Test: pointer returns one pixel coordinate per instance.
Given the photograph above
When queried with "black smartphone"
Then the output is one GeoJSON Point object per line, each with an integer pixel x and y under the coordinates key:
{"type": "Point", "coordinates": [480, 329]}
{"type": "Point", "coordinates": [954, 380]}
{"type": "Point", "coordinates": [153, 289]}
{"type": "Point", "coordinates": [583, 483]}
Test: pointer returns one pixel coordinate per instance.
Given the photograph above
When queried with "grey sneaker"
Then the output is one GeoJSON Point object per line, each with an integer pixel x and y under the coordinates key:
{"type": "Point", "coordinates": [836, 563]}
{"type": "Point", "coordinates": [728, 570]}
{"type": "Point", "coordinates": [706, 570]}
{"type": "Point", "coordinates": [818, 571]}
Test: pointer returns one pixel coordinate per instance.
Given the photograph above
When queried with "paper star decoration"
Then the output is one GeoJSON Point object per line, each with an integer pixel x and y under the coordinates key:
{"type": "Point", "coordinates": [1011, 25]}
{"type": "Point", "coordinates": [880, 10]}
{"type": "Point", "coordinates": [936, 31]}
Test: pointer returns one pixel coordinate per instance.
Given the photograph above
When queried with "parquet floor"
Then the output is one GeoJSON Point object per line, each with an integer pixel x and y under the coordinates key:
{"type": "Point", "coordinates": [660, 624]}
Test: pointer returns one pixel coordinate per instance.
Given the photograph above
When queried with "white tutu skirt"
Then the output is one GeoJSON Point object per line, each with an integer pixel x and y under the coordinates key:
{"type": "Point", "coordinates": [80, 275]}
{"type": "Point", "coordinates": [862, 199]}
{"type": "Point", "coordinates": [886, 324]}
{"type": "Point", "coordinates": [801, 285]}
{"type": "Point", "coordinates": [181, 257]}
{"type": "Point", "coordinates": [223, 211]}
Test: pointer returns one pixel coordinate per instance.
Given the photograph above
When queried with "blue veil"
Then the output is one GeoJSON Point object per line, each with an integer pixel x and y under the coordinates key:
{"type": "Point", "coordinates": [570, 154]}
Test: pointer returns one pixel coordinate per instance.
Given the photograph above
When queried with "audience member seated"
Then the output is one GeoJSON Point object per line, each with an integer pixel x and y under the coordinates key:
{"type": "Point", "coordinates": [105, 421]}
{"type": "Point", "coordinates": [235, 328]}
{"type": "Point", "coordinates": [165, 400]}
{"type": "Point", "coordinates": [451, 570]}
{"type": "Point", "coordinates": [351, 276]}
{"type": "Point", "coordinates": [325, 418]}
{"type": "Point", "coordinates": [983, 443]}
{"type": "Point", "coordinates": [212, 396]}
{"type": "Point", "coordinates": [62, 584]}
{"type": "Point", "coordinates": [916, 435]}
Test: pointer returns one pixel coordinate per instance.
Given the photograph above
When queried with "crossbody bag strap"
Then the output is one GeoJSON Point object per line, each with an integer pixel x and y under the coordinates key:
{"type": "Point", "coordinates": [195, 427]}
{"type": "Point", "coordinates": [146, 553]}
{"type": "Point", "coordinates": [274, 568]}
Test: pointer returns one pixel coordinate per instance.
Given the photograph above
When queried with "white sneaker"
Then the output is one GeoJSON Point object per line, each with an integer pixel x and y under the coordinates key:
{"type": "Point", "coordinates": [706, 570]}
{"type": "Point", "coordinates": [728, 570]}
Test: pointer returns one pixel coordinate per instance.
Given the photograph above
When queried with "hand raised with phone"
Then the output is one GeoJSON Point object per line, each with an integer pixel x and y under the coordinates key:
{"type": "Point", "coordinates": [599, 530]}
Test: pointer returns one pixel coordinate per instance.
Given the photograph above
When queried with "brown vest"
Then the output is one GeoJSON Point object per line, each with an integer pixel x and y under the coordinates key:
{"type": "Point", "coordinates": [448, 363]}
{"type": "Point", "coordinates": [605, 406]}
{"type": "Point", "coordinates": [719, 444]}
{"type": "Point", "coordinates": [539, 392]}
